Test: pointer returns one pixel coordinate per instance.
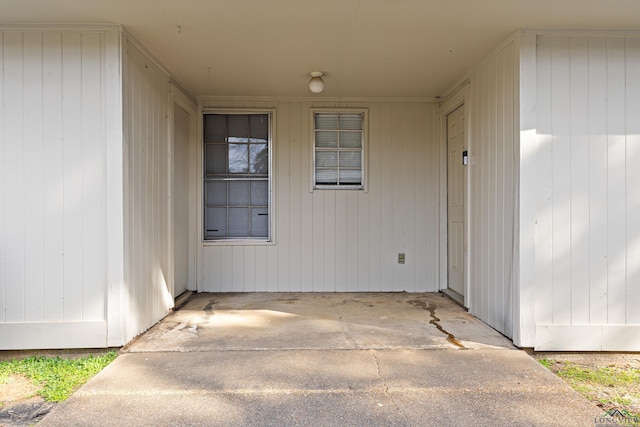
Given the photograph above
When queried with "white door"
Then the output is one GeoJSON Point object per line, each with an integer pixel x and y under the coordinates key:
{"type": "Point", "coordinates": [180, 200]}
{"type": "Point", "coordinates": [456, 195]}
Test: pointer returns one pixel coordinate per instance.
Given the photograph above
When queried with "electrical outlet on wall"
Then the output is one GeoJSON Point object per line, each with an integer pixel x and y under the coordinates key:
{"type": "Point", "coordinates": [401, 257]}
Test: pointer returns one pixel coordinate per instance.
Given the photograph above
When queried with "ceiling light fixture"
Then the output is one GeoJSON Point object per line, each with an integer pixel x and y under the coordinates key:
{"type": "Point", "coordinates": [316, 84]}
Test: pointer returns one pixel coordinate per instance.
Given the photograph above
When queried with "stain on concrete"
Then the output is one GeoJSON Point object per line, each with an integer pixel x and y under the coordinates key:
{"type": "Point", "coordinates": [181, 326]}
{"type": "Point", "coordinates": [181, 305]}
{"type": "Point", "coordinates": [209, 307]}
{"type": "Point", "coordinates": [353, 301]}
{"type": "Point", "coordinates": [435, 321]}
{"type": "Point", "coordinates": [24, 414]}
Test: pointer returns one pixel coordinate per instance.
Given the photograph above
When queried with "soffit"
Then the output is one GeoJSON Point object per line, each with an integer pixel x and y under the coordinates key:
{"type": "Point", "coordinates": [367, 48]}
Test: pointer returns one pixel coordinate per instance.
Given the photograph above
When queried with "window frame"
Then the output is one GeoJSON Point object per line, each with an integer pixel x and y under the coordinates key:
{"type": "Point", "coordinates": [363, 184]}
{"type": "Point", "coordinates": [257, 241]}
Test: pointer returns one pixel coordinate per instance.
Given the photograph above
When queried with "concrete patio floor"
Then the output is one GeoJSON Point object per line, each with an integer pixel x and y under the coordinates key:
{"type": "Point", "coordinates": [323, 360]}
{"type": "Point", "coordinates": [329, 321]}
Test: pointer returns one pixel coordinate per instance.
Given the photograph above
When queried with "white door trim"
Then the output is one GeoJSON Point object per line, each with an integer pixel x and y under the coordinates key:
{"type": "Point", "coordinates": [179, 98]}
{"type": "Point", "coordinates": [455, 100]}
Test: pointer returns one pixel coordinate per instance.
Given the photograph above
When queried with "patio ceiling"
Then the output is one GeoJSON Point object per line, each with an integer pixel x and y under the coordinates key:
{"type": "Point", "coordinates": [367, 48]}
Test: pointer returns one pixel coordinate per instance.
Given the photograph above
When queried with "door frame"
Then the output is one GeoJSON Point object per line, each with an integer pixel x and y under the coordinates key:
{"type": "Point", "coordinates": [176, 96]}
{"type": "Point", "coordinates": [453, 101]}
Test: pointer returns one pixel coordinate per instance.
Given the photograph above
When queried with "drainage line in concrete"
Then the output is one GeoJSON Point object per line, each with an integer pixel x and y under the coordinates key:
{"type": "Point", "coordinates": [435, 321]}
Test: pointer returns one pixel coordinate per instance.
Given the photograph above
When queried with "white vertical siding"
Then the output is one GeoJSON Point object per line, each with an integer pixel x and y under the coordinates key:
{"type": "Point", "coordinates": [53, 187]}
{"type": "Point", "coordinates": [113, 132]}
{"type": "Point", "coordinates": [524, 274]}
{"type": "Point", "coordinates": [148, 281]}
{"type": "Point", "coordinates": [492, 187]}
{"type": "Point", "coordinates": [329, 240]}
{"type": "Point", "coordinates": [632, 107]}
{"type": "Point", "coordinates": [587, 210]}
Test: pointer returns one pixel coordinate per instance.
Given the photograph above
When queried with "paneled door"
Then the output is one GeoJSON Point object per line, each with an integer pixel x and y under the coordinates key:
{"type": "Point", "coordinates": [456, 196]}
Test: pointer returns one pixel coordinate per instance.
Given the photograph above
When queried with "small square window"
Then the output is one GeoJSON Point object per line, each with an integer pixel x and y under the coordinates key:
{"type": "Point", "coordinates": [339, 149]}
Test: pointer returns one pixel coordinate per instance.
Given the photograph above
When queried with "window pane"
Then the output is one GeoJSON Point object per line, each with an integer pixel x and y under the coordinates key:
{"type": "Point", "coordinates": [239, 193]}
{"type": "Point", "coordinates": [259, 127]}
{"type": "Point", "coordinates": [350, 176]}
{"type": "Point", "coordinates": [236, 176]}
{"type": "Point", "coordinates": [326, 139]}
{"type": "Point", "coordinates": [326, 176]}
{"type": "Point", "coordinates": [326, 158]}
{"type": "Point", "coordinates": [259, 222]}
{"type": "Point", "coordinates": [259, 154]}
{"type": "Point", "coordinates": [215, 128]}
{"type": "Point", "coordinates": [238, 222]}
{"type": "Point", "coordinates": [215, 222]}
{"type": "Point", "coordinates": [216, 193]}
{"type": "Point", "coordinates": [338, 144]}
{"type": "Point", "coordinates": [238, 128]}
{"type": "Point", "coordinates": [260, 193]}
{"type": "Point", "coordinates": [215, 159]}
{"type": "Point", "coordinates": [326, 120]}
{"type": "Point", "coordinates": [350, 159]}
{"type": "Point", "coordinates": [238, 158]}
{"type": "Point", "coordinates": [350, 139]}
{"type": "Point", "coordinates": [351, 121]}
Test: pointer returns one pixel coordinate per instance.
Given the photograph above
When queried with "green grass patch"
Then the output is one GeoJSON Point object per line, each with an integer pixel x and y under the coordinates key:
{"type": "Point", "coordinates": [609, 386]}
{"type": "Point", "coordinates": [606, 376]}
{"type": "Point", "coordinates": [57, 377]}
{"type": "Point", "coordinates": [546, 363]}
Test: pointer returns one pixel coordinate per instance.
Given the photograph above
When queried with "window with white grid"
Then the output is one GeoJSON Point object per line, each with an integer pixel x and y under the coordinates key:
{"type": "Point", "coordinates": [339, 149]}
{"type": "Point", "coordinates": [236, 177]}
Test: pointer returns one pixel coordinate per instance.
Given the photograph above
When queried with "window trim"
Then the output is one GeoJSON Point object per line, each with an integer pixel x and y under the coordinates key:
{"type": "Point", "coordinates": [312, 126]}
{"type": "Point", "coordinates": [241, 241]}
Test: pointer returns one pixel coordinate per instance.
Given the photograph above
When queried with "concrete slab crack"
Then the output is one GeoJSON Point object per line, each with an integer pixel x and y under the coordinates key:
{"type": "Point", "coordinates": [385, 388]}
{"type": "Point", "coordinates": [435, 320]}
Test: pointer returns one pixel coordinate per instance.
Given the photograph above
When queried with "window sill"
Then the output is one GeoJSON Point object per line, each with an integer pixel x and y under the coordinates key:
{"type": "Point", "coordinates": [238, 242]}
{"type": "Point", "coordinates": [338, 187]}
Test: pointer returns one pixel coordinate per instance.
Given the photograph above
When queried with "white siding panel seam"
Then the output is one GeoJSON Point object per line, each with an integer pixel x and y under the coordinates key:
{"type": "Point", "coordinates": [13, 131]}
{"type": "Point", "coordinates": [524, 275]}
{"type": "Point", "coordinates": [3, 179]}
{"type": "Point", "coordinates": [632, 157]}
{"type": "Point", "coordinates": [33, 179]}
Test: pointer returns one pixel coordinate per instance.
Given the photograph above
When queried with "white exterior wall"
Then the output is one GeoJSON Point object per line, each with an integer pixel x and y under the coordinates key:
{"type": "Point", "coordinates": [490, 101]}
{"type": "Point", "coordinates": [86, 205]}
{"type": "Point", "coordinates": [565, 186]}
{"type": "Point", "coordinates": [147, 296]}
{"type": "Point", "coordinates": [59, 116]}
{"type": "Point", "coordinates": [581, 183]}
{"type": "Point", "coordinates": [342, 240]}
{"type": "Point", "coordinates": [85, 232]}
{"type": "Point", "coordinates": [493, 188]}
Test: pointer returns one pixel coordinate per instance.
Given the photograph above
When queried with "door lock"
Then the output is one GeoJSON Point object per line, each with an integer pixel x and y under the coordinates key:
{"type": "Point", "coordinates": [465, 157]}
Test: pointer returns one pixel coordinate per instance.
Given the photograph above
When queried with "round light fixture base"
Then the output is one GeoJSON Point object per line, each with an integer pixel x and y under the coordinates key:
{"type": "Point", "coordinates": [316, 84]}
